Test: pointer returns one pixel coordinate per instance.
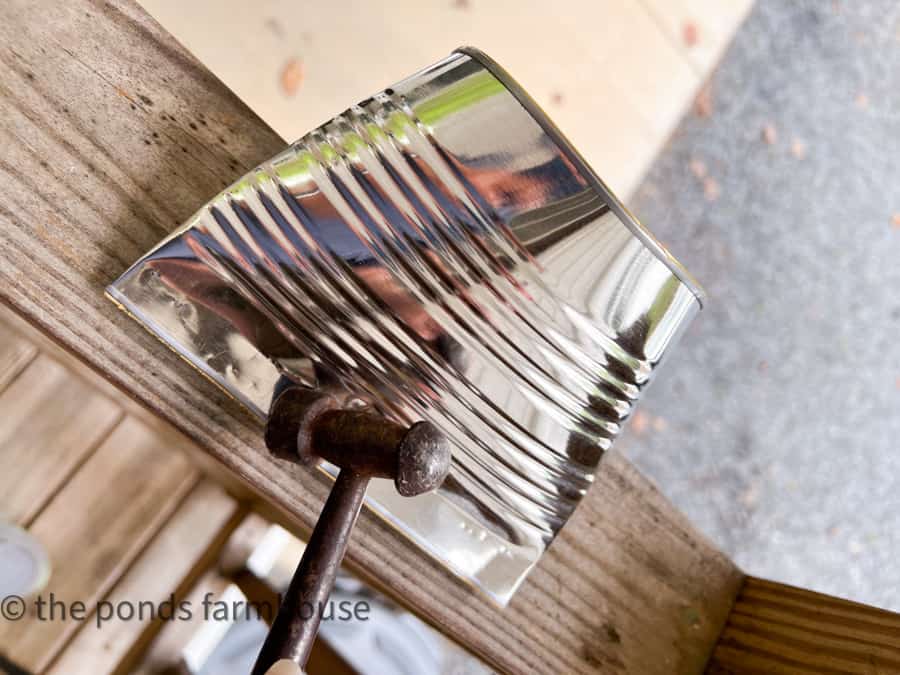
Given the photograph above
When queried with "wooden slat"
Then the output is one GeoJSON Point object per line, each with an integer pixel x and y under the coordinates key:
{"type": "Point", "coordinates": [94, 379]}
{"type": "Point", "coordinates": [778, 629]}
{"type": "Point", "coordinates": [174, 559]}
{"type": "Point", "coordinates": [164, 653]}
{"type": "Point", "coordinates": [241, 544]}
{"type": "Point", "coordinates": [627, 587]}
{"type": "Point", "coordinates": [51, 421]}
{"type": "Point", "coordinates": [15, 354]}
{"type": "Point", "coordinates": [94, 528]}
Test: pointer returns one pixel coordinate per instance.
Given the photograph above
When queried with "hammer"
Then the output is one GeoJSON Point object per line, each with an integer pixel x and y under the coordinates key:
{"type": "Point", "coordinates": [307, 426]}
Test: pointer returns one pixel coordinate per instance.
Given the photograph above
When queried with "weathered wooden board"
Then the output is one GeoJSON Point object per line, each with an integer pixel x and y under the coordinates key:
{"type": "Point", "coordinates": [50, 422]}
{"type": "Point", "coordinates": [93, 529]}
{"type": "Point", "coordinates": [111, 134]}
{"type": "Point", "coordinates": [780, 630]}
{"type": "Point", "coordinates": [167, 568]}
{"type": "Point", "coordinates": [49, 347]}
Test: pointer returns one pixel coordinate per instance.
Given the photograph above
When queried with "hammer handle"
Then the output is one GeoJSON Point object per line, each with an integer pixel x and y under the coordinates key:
{"type": "Point", "coordinates": [295, 627]}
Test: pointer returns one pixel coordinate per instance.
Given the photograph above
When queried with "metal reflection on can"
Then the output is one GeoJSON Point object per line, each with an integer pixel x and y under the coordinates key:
{"type": "Point", "coordinates": [441, 251]}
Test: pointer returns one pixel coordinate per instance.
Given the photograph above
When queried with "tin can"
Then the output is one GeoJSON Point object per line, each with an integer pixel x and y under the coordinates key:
{"type": "Point", "coordinates": [443, 253]}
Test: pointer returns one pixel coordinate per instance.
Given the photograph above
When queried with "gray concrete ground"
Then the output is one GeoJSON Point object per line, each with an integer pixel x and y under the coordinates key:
{"type": "Point", "coordinates": [776, 423]}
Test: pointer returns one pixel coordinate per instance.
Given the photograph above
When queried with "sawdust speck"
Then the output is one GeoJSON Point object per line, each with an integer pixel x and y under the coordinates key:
{"type": "Point", "coordinates": [698, 168]}
{"type": "Point", "coordinates": [703, 103]}
{"type": "Point", "coordinates": [711, 189]}
{"type": "Point", "coordinates": [292, 74]}
{"type": "Point", "coordinates": [639, 422]}
{"type": "Point", "coordinates": [690, 33]}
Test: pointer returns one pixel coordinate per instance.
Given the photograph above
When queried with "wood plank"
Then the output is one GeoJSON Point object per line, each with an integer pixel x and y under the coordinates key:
{"type": "Point", "coordinates": [627, 587]}
{"type": "Point", "coordinates": [651, 77]}
{"type": "Point", "coordinates": [51, 422]}
{"type": "Point", "coordinates": [15, 354]}
{"type": "Point", "coordinates": [94, 528]}
{"type": "Point", "coordinates": [186, 546]}
{"type": "Point", "coordinates": [617, 93]}
{"type": "Point", "coordinates": [778, 629]}
{"type": "Point", "coordinates": [700, 29]}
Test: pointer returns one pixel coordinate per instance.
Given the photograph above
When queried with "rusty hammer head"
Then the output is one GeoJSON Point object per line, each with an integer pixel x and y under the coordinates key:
{"type": "Point", "coordinates": [307, 426]}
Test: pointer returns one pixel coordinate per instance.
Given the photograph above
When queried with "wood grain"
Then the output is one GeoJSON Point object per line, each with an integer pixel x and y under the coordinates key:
{"type": "Point", "coordinates": [51, 422]}
{"type": "Point", "coordinates": [94, 378]}
{"type": "Point", "coordinates": [170, 565]}
{"type": "Point", "coordinates": [93, 529]}
{"type": "Point", "coordinates": [111, 134]}
{"type": "Point", "coordinates": [15, 354]}
{"type": "Point", "coordinates": [777, 629]}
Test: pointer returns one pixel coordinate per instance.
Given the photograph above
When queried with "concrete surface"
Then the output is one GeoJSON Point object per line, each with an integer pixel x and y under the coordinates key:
{"type": "Point", "coordinates": [776, 424]}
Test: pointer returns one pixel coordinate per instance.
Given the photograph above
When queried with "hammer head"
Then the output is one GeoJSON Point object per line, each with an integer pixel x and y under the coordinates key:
{"type": "Point", "coordinates": [307, 426]}
{"type": "Point", "coordinates": [423, 460]}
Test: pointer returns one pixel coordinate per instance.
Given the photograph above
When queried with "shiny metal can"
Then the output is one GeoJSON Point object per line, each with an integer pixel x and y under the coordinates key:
{"type": "Point", "coordinates": [443, 253]}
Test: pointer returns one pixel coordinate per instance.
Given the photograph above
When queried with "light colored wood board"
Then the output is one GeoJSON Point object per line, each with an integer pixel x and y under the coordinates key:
{"type": "Point", "coordinates": [15, 354]}
{"type": "Point", "coordinates": [164, 652]}
{"type": "Point", "coordinates": [585, 608]}
{"type": "Point", "coordinates": [621, 42]}
{"type": "Point", "coordinates": [700, 29]}
{"type": "Point", "coordinates": [242, 542]}
{"type": "Point", "coordinates": [50, 423]}
{"type": "Point", "coordinates": [184, 548]}
{"type": "Point", "coordinates": [94, 528]}
{"type": "Point", "coordinates": [604, 70]}
{"type": "Point", "coordinates": [779, 630]}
